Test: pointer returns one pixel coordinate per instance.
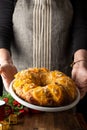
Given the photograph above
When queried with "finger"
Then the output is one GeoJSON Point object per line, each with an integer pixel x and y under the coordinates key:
{"type": "Point", "coordinates": [81, 85]}
{"type": "Point", "coordinates": [83, 92]}
{"type": "Point", "coordinates": [8, 70]}
{"type": "Point", "coordinates": [7, 76]}
{"type": "Point", "coordinates": [73, 76]}
{"type": "Point", "coordinates": [0, 69]}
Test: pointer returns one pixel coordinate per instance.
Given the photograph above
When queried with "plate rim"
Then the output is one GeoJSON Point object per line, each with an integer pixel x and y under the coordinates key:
{"type": "Point", "coordinates": [41, 108]}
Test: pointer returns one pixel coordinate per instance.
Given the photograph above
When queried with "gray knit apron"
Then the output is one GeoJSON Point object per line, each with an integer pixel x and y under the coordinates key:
{"type": "Point", "coordinates": [41, 34]}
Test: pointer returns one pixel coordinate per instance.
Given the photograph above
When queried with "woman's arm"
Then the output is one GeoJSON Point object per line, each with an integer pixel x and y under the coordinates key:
{"type": "Point", "coordinates": [79, 45]}
{"type": "Point", "coordinates": [79, 28]}
{"type": "Point", "coordinates": [6, 31]}
{"type": "Point", "coordinates": [7, 69]}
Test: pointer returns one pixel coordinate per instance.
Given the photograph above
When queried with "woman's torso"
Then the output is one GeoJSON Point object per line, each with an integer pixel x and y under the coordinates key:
{"type": "Point", "coordinates": [41, 30]}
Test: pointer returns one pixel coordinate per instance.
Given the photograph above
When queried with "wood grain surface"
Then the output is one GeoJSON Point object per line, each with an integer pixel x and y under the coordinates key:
{"type": "Point", "coordinates": [51, 121]}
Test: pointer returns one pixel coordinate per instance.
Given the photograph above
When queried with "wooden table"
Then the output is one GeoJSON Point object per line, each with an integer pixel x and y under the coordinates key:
{"type": "Point", "coordinates": [51, 121]}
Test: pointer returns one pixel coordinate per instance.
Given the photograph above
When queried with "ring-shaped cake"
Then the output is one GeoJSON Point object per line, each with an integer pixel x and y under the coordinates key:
{"type": "Point", "coordinates": [40, 86]}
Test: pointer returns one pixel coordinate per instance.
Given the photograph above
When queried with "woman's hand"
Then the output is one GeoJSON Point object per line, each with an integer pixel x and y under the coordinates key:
{"type": "Point", "coordinates": [7, 71]}
{"type": "Point", "coordinates": [79, 70]}
{"type": "Point", "coordinates": [79, 75]}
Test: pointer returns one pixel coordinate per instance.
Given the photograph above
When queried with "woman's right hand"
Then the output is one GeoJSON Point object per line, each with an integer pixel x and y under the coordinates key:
{"type": "Point", "coordinates": [7, 71]}
{"type": "Point", "coordinates": [7, 68]}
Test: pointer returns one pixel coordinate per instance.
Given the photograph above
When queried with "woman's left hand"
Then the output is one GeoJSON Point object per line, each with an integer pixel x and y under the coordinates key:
{"type": "Point", "coordinates": [79, 75]}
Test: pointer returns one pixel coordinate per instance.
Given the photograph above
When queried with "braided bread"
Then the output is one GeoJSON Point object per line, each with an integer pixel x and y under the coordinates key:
{"type": "Point", "coordinates": [42, 87]}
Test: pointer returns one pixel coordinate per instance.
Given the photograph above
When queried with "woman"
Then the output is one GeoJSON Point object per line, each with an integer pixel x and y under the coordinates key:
{"type": "Point", "coordinates": [45, 31]}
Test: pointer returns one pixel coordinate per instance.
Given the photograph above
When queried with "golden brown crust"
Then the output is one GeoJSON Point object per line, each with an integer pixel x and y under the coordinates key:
{"type": "Point", "coordinates": [42, 87]}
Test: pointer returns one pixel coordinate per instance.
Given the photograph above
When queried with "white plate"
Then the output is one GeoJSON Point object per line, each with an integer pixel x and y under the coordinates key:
{"type": "Point", "coordinates": [40, 108]}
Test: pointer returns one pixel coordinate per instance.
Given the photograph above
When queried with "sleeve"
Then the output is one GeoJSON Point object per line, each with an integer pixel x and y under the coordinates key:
{"type": "Point", "coordinates": [6, 11]}
{"type": "Point", "coordinates": [79, 28]}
